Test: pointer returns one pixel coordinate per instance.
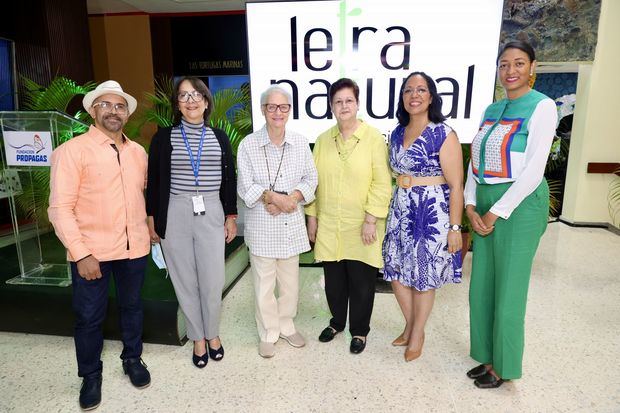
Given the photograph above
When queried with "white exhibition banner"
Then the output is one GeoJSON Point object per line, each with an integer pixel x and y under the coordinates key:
{"type": "Point", "coordinates": [28, 148]}
{"type": "Point", "coordinates": [304, 46]}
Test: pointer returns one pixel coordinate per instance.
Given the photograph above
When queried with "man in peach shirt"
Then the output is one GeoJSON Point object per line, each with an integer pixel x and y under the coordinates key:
{"type": "Point", "coordinates": [98, 212]}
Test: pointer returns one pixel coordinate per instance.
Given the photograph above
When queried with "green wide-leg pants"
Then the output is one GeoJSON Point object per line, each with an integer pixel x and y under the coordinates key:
{"type": "Point", "coordinates": [502, 263]}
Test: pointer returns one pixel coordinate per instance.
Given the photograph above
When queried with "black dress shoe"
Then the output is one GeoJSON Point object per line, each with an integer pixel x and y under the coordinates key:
{"type": "Point", "coordinates": [328, 334]}
{"type": "Point", "coordinates": [357, 345]}
{"type": "Point", "coordinates": [200, 361]}
{"type": "Point", "coordinates": [137, 372]}
{"type": "Point", "coordinates": [218, 354]}
{"type": "Point", "coordinates": [477, 371]}
{"type": "Point", "coordinates": [488, 381]}
{"type": "Point", "coordinates": [90, 393]}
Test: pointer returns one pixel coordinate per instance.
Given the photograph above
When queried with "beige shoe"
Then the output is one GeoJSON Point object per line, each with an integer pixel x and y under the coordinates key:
{"type": "Point", "coordinates": [295, 340]}
{"type": "Point", "coordinates": [266, 350]}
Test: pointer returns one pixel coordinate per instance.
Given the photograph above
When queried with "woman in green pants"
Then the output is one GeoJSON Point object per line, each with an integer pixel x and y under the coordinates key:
{"type": "Point", "coordinates": [507, 202]}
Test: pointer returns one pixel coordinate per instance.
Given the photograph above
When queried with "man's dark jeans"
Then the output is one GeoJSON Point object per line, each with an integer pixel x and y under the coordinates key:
{"type": "Point", "coordinates": [90, 302]}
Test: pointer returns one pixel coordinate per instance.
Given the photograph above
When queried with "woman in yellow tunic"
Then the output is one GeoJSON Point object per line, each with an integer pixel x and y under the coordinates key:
{"type": "Point", "coordinates": [347, 219]}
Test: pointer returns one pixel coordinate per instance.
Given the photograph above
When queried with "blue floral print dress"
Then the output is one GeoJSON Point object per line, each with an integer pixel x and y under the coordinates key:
{"type": "Point", "coordinates": [415, 248]}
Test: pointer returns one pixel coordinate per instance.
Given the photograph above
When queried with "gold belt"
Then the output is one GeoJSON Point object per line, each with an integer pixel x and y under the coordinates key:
{"type": "Point", "coordinates": [407, 181]}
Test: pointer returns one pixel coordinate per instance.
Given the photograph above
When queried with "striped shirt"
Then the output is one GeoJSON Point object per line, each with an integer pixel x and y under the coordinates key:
{"type": "Point", "coordinates": [181, 171]}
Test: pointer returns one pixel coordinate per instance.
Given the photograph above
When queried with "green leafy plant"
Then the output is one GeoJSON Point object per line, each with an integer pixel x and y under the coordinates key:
{"type": "Point", "coordinates": [557, 160]}
{"type": "Point", "coordinates": [232, 114]}
{"type": "Point", "coordinates": [158, 111]}
{"type": "Point", "coordinates": [613, 198]}
{"type": "Point", "coordinates": [161, 112]}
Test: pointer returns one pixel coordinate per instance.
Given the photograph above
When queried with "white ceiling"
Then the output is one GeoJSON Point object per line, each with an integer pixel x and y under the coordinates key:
{"type": "Point", "coordinates": [163, 6]}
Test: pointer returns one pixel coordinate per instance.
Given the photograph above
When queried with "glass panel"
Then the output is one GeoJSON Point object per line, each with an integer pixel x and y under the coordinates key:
{"type": "Point", "coordinates": [41, 256]}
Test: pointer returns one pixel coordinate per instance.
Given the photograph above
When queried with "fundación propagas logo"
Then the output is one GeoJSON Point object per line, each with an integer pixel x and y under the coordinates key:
{"type": "Point", "coordinates": [29, 152]}
{"type": "Point", "coordinates": [37, 144]}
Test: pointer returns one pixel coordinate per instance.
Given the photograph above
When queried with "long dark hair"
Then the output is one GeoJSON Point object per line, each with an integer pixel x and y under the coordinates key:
{"type": "Point", "coordinates": [518, 44]}
{"type": "Point", "coordinates": [199, 86]}
{"type": "Point", "coordinates": [434, 109]}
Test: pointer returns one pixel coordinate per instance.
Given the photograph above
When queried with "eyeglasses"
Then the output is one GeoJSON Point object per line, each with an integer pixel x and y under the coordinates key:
{"type": "Point", "coordinates": [417, 91]}
{"type": "Point", "coordinates": [119, 108]}
{"type": "Point", "coordinates": [272, 107]}
{"type": "Point", "coordinates": [195, 95]}
{"type": "Point", "coordinates": [342, 103]}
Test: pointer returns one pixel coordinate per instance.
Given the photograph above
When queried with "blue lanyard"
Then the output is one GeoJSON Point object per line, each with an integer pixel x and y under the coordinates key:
{"type": "Point", "coordinates": [196, 163]}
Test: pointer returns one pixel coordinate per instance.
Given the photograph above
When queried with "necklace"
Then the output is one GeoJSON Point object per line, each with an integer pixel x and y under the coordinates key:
{"type": "Point", "coordinates": [272, 186]}
{"type": "Point", "coordinates": [342, 153]}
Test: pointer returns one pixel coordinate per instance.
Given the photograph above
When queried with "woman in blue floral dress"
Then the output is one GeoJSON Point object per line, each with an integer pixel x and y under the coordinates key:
{"type": "Point", "coordinates": [421, 250]}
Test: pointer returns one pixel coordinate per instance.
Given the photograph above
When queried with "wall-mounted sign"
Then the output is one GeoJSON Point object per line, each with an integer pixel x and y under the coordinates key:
{"type": "Point", "coordinates": [28, 148]}
{"type": "Point", "coordinates": [209, 45]}
{"type": "Point", "coordinates": [306, 45]}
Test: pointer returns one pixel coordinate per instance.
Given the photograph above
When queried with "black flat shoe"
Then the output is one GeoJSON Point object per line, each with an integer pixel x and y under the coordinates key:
{"type": "Point", "coordinates": [357, 345]}
{"type": "Point", "coordinates": [200, 361]}
{"type": "Point", "coordinates": [218, 354]}
{"type": "Point", "coordinates": [488, 381]}
{"type": "Point", "coordinates": [477, 371]}
{"type": "Point", "coordinates": [328, 334]}
{"type": "Point", "coordinates": [90, 393]}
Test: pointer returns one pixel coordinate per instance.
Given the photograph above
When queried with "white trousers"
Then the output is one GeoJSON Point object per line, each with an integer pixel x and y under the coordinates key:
{"type": "Point", "coordinates": [274, 315]}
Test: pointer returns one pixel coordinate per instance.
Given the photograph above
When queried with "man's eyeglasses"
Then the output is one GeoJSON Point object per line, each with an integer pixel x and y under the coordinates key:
{"type": "Point", "coordinates": [195, 95]}
{"type": "Point", "coordinates": [272, 107]}
{"type": "Point", "coordinates": [119, 108]}
{"type": "Point", "coordinates": [417, 91]}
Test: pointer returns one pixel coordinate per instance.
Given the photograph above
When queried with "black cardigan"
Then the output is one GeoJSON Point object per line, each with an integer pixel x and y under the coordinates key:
{"type": "Point", "coordinates": [158, 183]}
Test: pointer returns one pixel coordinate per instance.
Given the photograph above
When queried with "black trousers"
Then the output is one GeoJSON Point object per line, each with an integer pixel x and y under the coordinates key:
{"type": "Point", "coordinates": [90, 302]}
{"type": "Point", "coordinates": [351, 284]}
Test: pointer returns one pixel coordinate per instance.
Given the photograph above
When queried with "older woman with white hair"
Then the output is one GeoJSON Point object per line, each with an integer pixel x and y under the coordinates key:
{"type": "Point", "coordinates": [277, 177]}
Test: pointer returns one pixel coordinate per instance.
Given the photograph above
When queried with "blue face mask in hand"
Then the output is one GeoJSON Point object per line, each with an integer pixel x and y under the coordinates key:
{"type": "Point", "coordinates": [158, 256]}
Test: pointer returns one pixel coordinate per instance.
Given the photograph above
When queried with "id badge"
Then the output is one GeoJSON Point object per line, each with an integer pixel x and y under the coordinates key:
{"type": "Point", "coordinates": [199, 205]}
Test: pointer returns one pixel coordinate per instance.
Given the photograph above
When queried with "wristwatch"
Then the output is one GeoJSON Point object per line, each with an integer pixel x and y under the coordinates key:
{"type": "Point", "coordinates": [455, 227]}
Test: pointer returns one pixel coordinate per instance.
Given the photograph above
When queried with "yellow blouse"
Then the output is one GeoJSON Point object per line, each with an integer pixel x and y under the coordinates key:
{"type": "Point", "coordinates": [354, 178]}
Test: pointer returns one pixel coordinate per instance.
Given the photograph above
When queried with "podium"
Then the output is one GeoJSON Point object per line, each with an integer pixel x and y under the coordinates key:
{"type": "Point", "coordinates": [27, 141]}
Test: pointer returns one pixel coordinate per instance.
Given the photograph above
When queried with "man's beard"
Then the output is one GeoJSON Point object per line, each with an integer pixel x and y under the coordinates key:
{"type": "Point", "coordinates": [112, 126]}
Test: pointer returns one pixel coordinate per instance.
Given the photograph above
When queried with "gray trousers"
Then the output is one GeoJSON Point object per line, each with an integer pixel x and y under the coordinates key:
{"type": "Point", "coordinates": [194, 253]}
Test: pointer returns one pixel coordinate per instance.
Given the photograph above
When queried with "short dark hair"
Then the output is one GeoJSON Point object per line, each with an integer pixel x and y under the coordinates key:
{"type": "Point", "coordinates": [518, 44]}
{"type": "Point", "coordinates": [199, 86]}
{"type": "Point", "coordinates": [344, 83]}
{"type": "Point", "coordinates": [434, 109]}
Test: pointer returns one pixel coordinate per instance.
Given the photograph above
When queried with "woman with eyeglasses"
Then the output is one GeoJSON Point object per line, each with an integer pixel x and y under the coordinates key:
{"type": "Point", "coordinates": [347, 219]}
{"type": "Point", "coordinates": [191, 207]}
{"type": "Point", "coordinates": [276, 178]}
{"type": "Point", "coordinates": [422, 245]}
{"type": "Point", "coordinates": [507, 203]}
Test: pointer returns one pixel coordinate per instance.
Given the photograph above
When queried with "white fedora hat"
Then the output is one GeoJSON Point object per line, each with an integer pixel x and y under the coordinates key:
{"type": "Point", "coordinates": [105, 88]}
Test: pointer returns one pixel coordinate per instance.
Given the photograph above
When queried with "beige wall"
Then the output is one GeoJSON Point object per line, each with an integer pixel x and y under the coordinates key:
{"type": "Point", "coordinates": [596, 136]}
{"type": "Point", "coordinates": [121, 50]}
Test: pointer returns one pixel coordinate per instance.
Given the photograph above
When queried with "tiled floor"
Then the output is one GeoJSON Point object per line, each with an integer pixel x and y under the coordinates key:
{"type": "Point", "coordinates": [571, 357]}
